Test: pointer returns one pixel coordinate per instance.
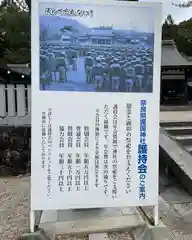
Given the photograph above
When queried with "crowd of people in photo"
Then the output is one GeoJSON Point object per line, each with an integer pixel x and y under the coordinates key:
{"type": "Point", "coordinates": [108, 68]}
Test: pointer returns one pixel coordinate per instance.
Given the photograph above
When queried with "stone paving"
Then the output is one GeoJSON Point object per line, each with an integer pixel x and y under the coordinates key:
{"type": "Point", "coordinates": [175, 116]}
{"type": "Point", "coordinates": [175, 207]}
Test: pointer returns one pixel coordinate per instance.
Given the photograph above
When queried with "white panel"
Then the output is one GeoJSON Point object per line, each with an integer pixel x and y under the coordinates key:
{"type": "Point", "coordinates": [81, 124]}
{"type": "Point", "coordinates": [29, 99]}
{"type": "Point", "coordinates": [21, 100]}
{"type": "Point", "coordinates": [11, 100]}
{"type": "Point", "coordinates": [2, 101]}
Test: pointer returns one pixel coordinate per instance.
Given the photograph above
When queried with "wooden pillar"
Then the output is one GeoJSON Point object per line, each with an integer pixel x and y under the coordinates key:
{"type": "Point", "coordinates": [186, 87]}
{"type": "Point", "coordinates": [161, 87]}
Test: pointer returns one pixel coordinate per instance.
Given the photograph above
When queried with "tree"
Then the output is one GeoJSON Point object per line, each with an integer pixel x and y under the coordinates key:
{"type": "Point", "coordinates": [15, 40]}
{"type": "Point", "coordinates": [66, 28]}
{"type": "Point", "coordinates": [28, 3]}
{"type": "Point", "coordinates": [169, 20]}
{"type": "Point", "coordinates": [181, 33]}
{"type": "Point", "coordinates": [183, 5]}
{"type": "Point", "coordinates": [169, 28]}
{"type": "Point", "coordinates": [23, 4]}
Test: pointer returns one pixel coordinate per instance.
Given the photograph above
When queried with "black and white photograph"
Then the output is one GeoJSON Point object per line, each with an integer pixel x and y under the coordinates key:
{"type": "Point", "coordinates": [92, 51]}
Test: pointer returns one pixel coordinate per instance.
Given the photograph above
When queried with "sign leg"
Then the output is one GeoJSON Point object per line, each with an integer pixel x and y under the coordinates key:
{"type": "Point", "coordinates": [32, 221]}
{"type": "Point", "coordinates": [156, 215]}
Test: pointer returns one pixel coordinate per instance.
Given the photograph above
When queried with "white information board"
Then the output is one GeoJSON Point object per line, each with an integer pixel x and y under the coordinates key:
{"type": "Point", "coordinates": [95, 104]}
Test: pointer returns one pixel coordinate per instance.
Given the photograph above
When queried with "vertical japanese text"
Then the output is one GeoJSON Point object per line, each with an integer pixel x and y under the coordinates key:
{"type": "Point", "coordinates": [49, 152]}
{"type": "Point", "coordinates": [142, 151]}
{"type": "Point", "coordinates": [114, 158]}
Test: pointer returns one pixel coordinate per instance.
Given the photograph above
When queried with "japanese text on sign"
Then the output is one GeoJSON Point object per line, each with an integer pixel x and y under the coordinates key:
{"type": "Point", "coordinates": [114, 158]}
{"type": "Point", "coordinates": [106, 149]}
{"type": "Point", "coordinates": [61, 136]}
{"type": "Point", "coordinates": [142, 151]}
{"type": "Point", "coordinates": [49, 152]}
{"type": "Point", "coordinates": [69, 174]}
{"type": "Point", "coordinates": [69, 12]}
{"type": "Point", "coordinates": [43, 139]}
{"type": "Point", "coordinates": [86, 172]}
{"type": "Point", "coordinates": [78, 172]}
{"type": "Point", "coordinates": [78, 136]}
{"type": "Point", "coordinates": [61, 172]}
{"type": "Point", "coordinates": [97, 135]}
{"type": "Point", "coordinates": [128, 146]}
{"type": "Point", "coordinates": [86, 136]}
{"type": "Point", "coordinates": [70, 136]}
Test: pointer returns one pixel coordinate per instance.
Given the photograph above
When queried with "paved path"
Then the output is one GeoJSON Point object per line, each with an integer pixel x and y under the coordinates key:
{"type": "Point", "coordinates": [76, 80]}
{"type": "Point", "coordinates": [176, 108]}
{"type": "Point", "coordinates": [71, 86]}
{"type": "Point", "coordinates": [175, 207]}
{"type": "Point", "coordinates": [176, 116]}
{"type": "Point", "coordinates": [78, 75]}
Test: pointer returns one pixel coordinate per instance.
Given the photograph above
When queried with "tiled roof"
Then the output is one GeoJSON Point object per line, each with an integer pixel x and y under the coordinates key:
{"type": "Point", "coordinates": [20, 68]}
{"type": "Point", "coordinates": [170, 56]}
{"type": "Point", "coordinates": [102, 32]}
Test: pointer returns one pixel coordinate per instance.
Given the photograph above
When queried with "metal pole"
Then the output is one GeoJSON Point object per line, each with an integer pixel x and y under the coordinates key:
{"type": "Point", "coordinates": [32, 221]}
{"type": "Point", "coordinates": [156, 215]}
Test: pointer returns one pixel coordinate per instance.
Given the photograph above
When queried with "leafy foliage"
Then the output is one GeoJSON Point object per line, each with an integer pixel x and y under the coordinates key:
{"type": "Point", "coordinates": [181, 33]}
{"type": "Point", "coordinates": [15, 33]}
{"type": "Point", "coordinates": [15, 36]}
{"type": "Point", "coordinates": [68, 28]}
{"type": "Point", "coordinates": [183, 5]}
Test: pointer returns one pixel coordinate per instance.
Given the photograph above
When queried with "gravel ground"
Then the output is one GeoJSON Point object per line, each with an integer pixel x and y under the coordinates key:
{"type": "Point", "coordinates": [14, 206]}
